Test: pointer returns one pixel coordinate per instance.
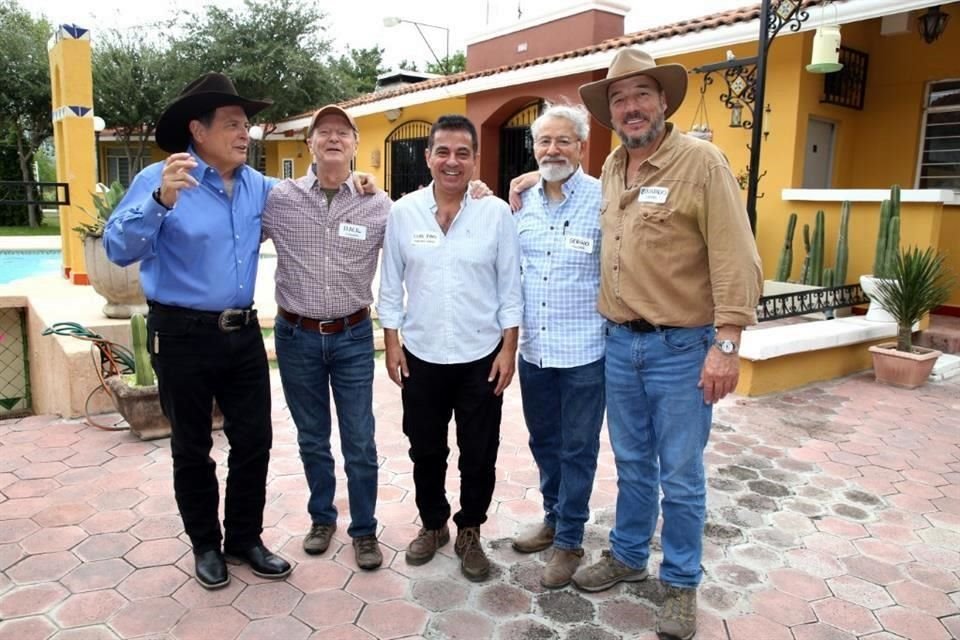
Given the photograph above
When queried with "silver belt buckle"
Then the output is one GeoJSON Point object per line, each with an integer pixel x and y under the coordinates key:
{"type": "Point", "coordinates": [232, 319]}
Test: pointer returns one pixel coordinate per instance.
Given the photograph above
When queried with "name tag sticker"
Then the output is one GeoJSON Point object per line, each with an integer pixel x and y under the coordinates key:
{"type": "Point", "coordinates": [576, 243]}
{"type": "Point", "coordinates": [354, 231]}
{"type": "Point", "coordinates": [426, 238]}
{"type": "Point", "coordinates": [655, 195]}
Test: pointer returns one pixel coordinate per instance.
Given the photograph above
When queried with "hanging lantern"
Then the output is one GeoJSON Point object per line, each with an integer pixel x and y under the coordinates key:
{"type": "Point", "coordinates": [932, 23]}
{"type": "Point", "coordinates": [736, 115]}
{"type": "Point", "coordinates": [826, 50]}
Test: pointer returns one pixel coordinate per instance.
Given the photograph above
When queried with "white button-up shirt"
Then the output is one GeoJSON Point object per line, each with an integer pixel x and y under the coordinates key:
{"type": "Point", "coordinates": [462, 288]}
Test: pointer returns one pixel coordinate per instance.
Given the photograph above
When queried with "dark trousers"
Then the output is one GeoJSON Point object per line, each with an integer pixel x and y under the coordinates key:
{"type": "Point", "coordinates": [431, 395]}
{"type": "Point", "coordinates": [196, 363]}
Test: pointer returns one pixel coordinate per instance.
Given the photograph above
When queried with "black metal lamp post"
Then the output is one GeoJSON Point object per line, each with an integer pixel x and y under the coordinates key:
{"type": "Point", "coordinates": [746, 80]}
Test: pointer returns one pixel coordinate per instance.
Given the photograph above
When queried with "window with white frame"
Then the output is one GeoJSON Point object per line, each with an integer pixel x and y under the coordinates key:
{"type": "Point", "coordinates": [287, 168]}
{"type": "Point", "coordinates": [118, 166]}
{"type": "Point", "coordinates": [939, 163]}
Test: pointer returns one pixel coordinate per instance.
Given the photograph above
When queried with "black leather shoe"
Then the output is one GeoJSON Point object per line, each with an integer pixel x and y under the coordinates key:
{"type": "Point", "coordinates": [211, 569]}
{"type": "Point", "coordinates": [262, 561]}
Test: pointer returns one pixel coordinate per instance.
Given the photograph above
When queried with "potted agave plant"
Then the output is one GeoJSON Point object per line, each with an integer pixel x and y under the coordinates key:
{"type": "Point", "coordinates": [120, 286]}
{"type": "Point", "coordinates": [918, 283]}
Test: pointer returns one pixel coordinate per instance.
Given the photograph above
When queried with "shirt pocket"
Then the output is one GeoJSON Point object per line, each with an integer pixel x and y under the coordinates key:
{"type": "Point", "coordinates": [653, 226]}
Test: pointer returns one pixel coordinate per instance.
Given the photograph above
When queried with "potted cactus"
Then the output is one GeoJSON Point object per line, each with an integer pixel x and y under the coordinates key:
{"type": "Point", "coordinates": [886, 256]}
{"type": "Point", "coordinates": [136, 395]}
{"type": "Point", "coordinates": [919, 283]}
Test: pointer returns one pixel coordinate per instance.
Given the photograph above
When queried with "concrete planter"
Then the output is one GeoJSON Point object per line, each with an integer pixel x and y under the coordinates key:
{"type": "Point", "coordinates": [120, 286]}
{"type": "Point", "coordinates": [875, 312]}
{"type": "Point", "coordinates": [902, 368]}
{"type": "Point", "coordinates": [140, 407]}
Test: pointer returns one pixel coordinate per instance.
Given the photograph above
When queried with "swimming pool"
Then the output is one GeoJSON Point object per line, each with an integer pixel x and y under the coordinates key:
{"type": "Point", "coordinates": [18, 264]}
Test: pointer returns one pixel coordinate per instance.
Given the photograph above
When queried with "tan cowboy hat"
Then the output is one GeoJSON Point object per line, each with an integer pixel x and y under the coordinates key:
{"type": "Point", "coordinates": [208, 92]}
{"type": "Point", "coordinates": [634, 62]}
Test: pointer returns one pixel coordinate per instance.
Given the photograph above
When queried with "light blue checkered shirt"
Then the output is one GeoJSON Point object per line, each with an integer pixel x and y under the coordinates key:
{"type": "Point", "coordinates": [560, 257]}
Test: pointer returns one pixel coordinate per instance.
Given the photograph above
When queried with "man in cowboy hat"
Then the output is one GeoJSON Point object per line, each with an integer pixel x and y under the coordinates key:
{"type": "Point", "coordinates": [680, 278]}
{"type": "Point", "coordinates": [328, 236]}
{"type": "Point", "coordinates": [193, 223]}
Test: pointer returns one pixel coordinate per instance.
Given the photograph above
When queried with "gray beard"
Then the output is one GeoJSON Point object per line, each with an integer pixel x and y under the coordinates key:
{"type": "Point", "coordinates": [554, 173]}
{"type": "Point", "coordinates": [645, 139]}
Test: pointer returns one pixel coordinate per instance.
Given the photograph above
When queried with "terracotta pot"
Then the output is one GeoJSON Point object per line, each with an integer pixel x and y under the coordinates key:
{"type": "Point", "coordinates": [120, 286]}
{"type": "Point", "coordinates": [140, 407]}
{"type": "Point", "coordinates": [902, 368]}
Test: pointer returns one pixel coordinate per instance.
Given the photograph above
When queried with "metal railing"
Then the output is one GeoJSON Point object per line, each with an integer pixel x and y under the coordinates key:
{"type": "Point", "coordinates": [43, 193]}
{"type": "Point", "coordinates": [14, 363]}
{"type": "Point", "coordinates": [798, 303]}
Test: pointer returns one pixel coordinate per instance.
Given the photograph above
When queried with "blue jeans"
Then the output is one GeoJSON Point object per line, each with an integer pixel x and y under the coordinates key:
{"type": "Point", "coordinates": [659, 425]}
{"type": "Point", "coordinates": [563, 409]}
{"type": "Point", "coordinates": [310, 365]}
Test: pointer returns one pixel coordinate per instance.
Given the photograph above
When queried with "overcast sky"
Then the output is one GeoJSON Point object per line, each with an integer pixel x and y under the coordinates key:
{"type": "Point", "coordinates": [359, 24]}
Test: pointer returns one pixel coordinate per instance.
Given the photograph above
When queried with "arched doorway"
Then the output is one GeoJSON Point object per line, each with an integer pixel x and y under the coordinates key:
{"type": "Point", "coordinates": [516, 145]}
{"type": "Point", "coordinates": [406, 166]}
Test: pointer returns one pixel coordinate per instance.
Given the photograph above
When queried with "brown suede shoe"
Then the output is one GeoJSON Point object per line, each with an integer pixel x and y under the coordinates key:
{"type": "Point", "coordinates": [367, 551]}
{"type": "Point", "coordinates": [605, 573]}
{"type": "Point", "coordinates": [561, 567]}
{"type": "Point", "coordinates": [425, 545]}
{"type": "Point", "coordinates": [473, 561]}
{"type": "Point", "coordinates": [318, 538]}
{"type": "Point", "coordinates": [677, 618]}
{"type": "Point", "coordinates": [536, 539]}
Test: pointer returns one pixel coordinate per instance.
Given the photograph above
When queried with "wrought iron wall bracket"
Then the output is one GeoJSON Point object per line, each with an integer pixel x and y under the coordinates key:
{"type": "Point", "coordinates": [740, 76]}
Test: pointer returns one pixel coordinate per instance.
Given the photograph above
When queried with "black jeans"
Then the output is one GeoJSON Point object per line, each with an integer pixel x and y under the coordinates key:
{"type": "Point", "coordinates": [431, 395]}
{"type": "Point", "coordinates": [196, 362]}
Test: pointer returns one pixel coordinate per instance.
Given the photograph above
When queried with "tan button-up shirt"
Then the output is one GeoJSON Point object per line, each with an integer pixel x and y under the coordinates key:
{"type": "Point", "coordinates": [676, 245]}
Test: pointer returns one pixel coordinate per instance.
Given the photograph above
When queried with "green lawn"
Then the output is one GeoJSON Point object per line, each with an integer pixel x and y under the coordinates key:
{"type": "Point", "coordinates": [49, 228]}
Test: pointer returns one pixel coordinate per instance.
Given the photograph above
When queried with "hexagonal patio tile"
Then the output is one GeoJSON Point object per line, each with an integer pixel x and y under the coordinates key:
{"type": "Point", "coordinates": [917, 596]}
{"type": "Point", "coordinates": [328, 609]}
{"type": "Point", "coordinates": [94, 607]}
{"type": "Point", "coordinates": [91, 576]}
{"type": "Point", "coordinates": [212, 623]}
{"type": "Point", "coordinates": [847, 616]}
{"type": "Point", "coordinates": [439, 594]}
{"type": "Point", "coordinates": [393, 619]}
{"type": "Point", "coordinates": [286, 628]}
{"type": "Point", "coordinates": [860, 592]}
{"type": "Point", "coordinates": [52, 539]}
{"type": "Point", "coordinates": [105, 546]}
{"type": "Point", "coordinates": [782, 607]}
{"type": "Point", "coordinates": [152, 582]}
{"type": "Point", "coordinates": [16, 529]}
{"type": "Point", "coordinates": [461, 624]}
{"type": "Point", "coordinates": [268, 600]}
{"type": "Point", "coordinates": [155, 616]}
{"type": "Point", "coordinates": [34, 628]}
{"type": "Point", "coordinates": [376, 586]}
{"type": "Point", "coordinates": [30, 600]}
{"type": "Point", "coordinates": [63, 514]}
{"type": "Point", "coordinates": [46, 567]}
{"type": "Point", "coordinates": [154, 553]}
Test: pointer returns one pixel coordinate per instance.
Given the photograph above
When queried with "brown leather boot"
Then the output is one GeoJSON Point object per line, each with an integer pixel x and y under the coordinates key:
{"type": "Point", "coordinates": [534, 540]}
{"type": "Point", "coordinates": [561, 567]}
{"type": "Point", "coordinates": [474, 563]}
{"type": "Point", "coordinates": [425, 545]}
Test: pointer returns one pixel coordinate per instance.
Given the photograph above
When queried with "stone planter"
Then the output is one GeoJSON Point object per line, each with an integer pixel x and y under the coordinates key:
{"type": "Point", "coordinates": [140, 407]}
{"type": "Point", "coordinates": [902, 368]}
{"type": "Point", "coordinates": [875, 312]}
{"type": "Point", "coordinates": [120, 286]}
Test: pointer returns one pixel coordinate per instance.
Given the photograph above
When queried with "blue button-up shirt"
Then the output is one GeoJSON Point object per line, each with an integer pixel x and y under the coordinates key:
{"type": "Point", "coordinates": [203, 253]}
{"type": "Point", "coordinates": [560, 248]}
{"type": "Point", "coordinates": [462, 287]}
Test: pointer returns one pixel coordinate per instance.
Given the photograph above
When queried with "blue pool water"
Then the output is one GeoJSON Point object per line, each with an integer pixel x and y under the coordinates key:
{"type": "Point", "coordinates": [15, 265]}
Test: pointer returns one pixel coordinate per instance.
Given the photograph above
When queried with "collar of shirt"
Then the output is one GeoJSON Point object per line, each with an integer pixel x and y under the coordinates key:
{"type": "Point", "coordinates": [202, 170]}
{"type": "Point", "coordinates": [569, 186]}
{"type": "Point", "coordinates": [431, 199]}
{"type": "Point", "coordinates": [312, 182]}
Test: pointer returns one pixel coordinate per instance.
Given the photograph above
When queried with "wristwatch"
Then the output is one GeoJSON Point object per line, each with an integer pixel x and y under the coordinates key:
{"type": "Point", "coordinates": [156, 197]}
{"type": "Point", "coordinates": [727, 347]}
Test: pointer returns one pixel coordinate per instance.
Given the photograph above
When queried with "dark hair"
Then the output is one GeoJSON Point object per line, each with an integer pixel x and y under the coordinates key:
{"type": "Point", "coordinates": [206, 119]}
{"type": "Point", "coordinates": [453, 122]}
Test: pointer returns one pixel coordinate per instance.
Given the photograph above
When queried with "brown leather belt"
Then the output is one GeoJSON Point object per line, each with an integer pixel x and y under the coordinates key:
{"type": "Point", "coordinates": [325, 327]}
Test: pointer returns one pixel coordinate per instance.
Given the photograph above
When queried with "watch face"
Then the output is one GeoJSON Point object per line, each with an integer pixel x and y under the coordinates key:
{"type": "Point", "coordinates": [727, 346]}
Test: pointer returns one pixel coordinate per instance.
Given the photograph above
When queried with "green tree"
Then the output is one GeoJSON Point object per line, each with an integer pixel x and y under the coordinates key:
{"type": "Point", "coordinates": [407, 65]}
{"type": "Point", "coordinates": [130, 89]}
{"type": "Point", "coordinates": [357, 71]}
{"type": "Point", "coordinates": [448, 65]}
{"type": "Point", "coordinates": [25, 98]}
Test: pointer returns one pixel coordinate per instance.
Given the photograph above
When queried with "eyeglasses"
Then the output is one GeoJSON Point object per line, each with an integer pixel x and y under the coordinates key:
{"type": "Point", "coordinates": [562, 143]}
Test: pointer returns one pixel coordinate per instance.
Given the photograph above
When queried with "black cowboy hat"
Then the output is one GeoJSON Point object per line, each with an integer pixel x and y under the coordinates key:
{"type": "Point", "coordinates": [206, 93]}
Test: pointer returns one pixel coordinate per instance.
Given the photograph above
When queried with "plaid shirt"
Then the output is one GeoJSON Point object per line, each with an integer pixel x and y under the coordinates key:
{"type": "Point", "coordinates": [326, 255]}
{"type": "Point", "coordinates": [560, 257]}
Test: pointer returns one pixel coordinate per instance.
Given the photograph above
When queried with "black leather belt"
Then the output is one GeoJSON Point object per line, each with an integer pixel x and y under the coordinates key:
{"type": "Point", "coordinates": [227, 320]}
{"type": "Point", "coordinates": [642, 326]}
{"type": "Point", "coordinates": [325, 327]}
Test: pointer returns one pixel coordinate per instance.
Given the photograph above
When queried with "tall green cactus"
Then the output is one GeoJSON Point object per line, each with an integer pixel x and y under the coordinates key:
{"type": "Point", "coordinates": [843, 250]}
{"type": "Point", "coordinates": [828, 277]}
{"type": "Point", "coordinates": [815, 270]}
{"type": "Point", "coordinates": [888, 235]}
{"type": "Point", "coordinates": [786, 254]}
{"type": "Point", "coordinates": [805, 267]}
{"type": "Point", "coordinates": [141, 357]}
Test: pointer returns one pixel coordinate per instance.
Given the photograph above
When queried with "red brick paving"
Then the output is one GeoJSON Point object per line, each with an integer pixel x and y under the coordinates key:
{"type": "Point", "coordinates": [834, 514]}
